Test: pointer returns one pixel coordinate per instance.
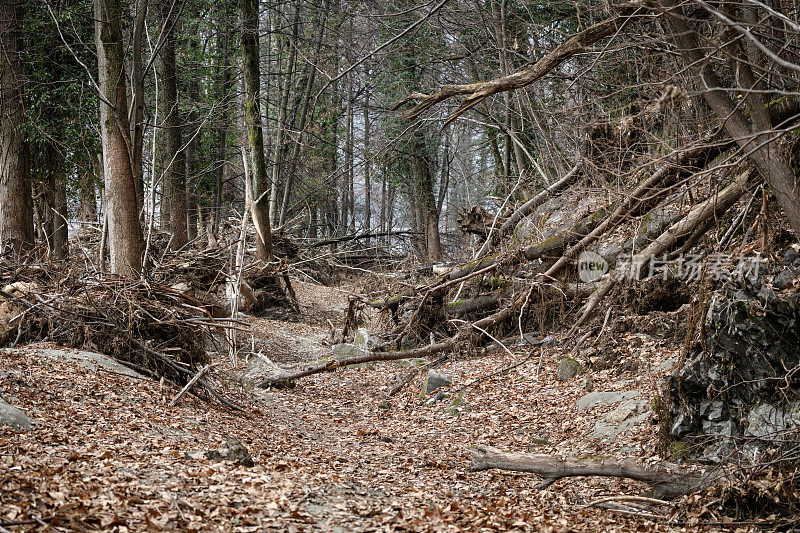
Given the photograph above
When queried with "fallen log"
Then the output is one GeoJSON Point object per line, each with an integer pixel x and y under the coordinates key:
{"type": "Point", "coordinates": [646, 195]}
{"type": "Point", "coordinates": [528, 207]}
{"type": "Point", "coordinates": [712, 207]}
{"type": "Point", "coordinates": [668, 480]}
{"type": "Point", "coordinates": [284, 377]}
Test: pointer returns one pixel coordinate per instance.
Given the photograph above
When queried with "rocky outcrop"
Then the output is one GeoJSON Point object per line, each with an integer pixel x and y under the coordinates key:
{"type": "Point", "coordinates": [739, 391]}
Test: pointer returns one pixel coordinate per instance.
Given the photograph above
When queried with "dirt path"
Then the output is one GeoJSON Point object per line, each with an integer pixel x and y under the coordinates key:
{"type": "Point", "coordinates": [332, 454]}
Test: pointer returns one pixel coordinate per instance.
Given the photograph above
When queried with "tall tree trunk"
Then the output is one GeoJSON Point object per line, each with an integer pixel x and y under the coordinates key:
{"type": "Point", "coordinates": [423, 197]}
{"type": "Point", "coordinates": [137, 103]}
{"type": "Point", "coordinates": [283, 112]}
{"type": "Point", "coordinates": [61, 229]}
{"type": "Point", "coordinates": [16, 201]}
{"type": "Point", "coordinates": [248, 11]}
{"type": "Point", "coordinates": [174, 157]}
{"type": "Point", "coordinates": [367, 166]}
{"type": "Point", "coordinates": [191, 147]}
{"type": "Point", "coordinates": [348, 157]}
{"type": "Point", "coordinates": [47, 199]}
{"type": "Point", "coordinates": [125, 232]}
{"type": "Point", "coordinates": [224, 86]}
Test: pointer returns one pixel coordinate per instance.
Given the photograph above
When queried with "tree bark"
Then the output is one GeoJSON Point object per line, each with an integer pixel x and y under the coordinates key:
{"type": "Point", "coordinates": [125, 232]}
{"type": "Point", "coordinates": [16, 201]}
{"type": "Point", "coordinates": [248, 12]}
{"type": "Point", "coordinates": [137, 103]}
{"type": "Point", "coordinates": [174, 157]}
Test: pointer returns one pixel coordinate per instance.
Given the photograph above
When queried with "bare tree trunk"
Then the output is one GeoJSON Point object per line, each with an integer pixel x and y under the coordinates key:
{"type": "Point", "coordinates": [174, 157]}
{"type": "Point", "coordinates": [224, 85]}
{"type": "Point", "coordinates": [349, 153]}
{"type": "Point", "coordinates": [248, 11]}
{"type": "Point", "coordinates": [367, 164]}
{"type": "Point", "coordinates": [60, 229]}
{"type": "Point", "coordinates": [752, 137]}
{"type": "Point", "coordinates": [125, 232]}
{"type": "Point", "coordinates": [192, 214]}
{"type": "Point", "coordinates": [16, 201]}
{"type": "Point", "coordinates": [283, 108]}
{"type": "Point", "coordinates": [137, 104]}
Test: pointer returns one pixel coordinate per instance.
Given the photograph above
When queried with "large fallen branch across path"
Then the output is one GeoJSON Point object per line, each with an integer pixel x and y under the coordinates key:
{"type": "Point", "coordinates": [667, 480]}
{"type": "Point", "coordinates": [283, 377]}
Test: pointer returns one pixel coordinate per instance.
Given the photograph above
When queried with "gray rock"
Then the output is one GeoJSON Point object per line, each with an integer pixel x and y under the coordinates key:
{"type": "Point", "coordinates": [627, 415]}
{"type": "Point", "coordinates": [790, 256]}
{"type": "Point", "coordinates": [341, 351]}
{"type": "Point", "coordinates": [714, 412]}
{"type": "Point", "coordinates": [594, 399]}
{"type": "Point", "coordinates": [435, 380]}
{"type": "Point", "coordinates": [767, 421]}
{"type": "Point", "coordinates": [782, 279]}
{"type": "Point", "coordinates": [725, 428]}
{"type": "Point", "coordinates": [568, 368]}
{"type": "Point", "coordinates": [681, 425]}
{"type": "Point", "coordinates": [13, 417]}
{"type": "Point", "coordinates": [364, 339]}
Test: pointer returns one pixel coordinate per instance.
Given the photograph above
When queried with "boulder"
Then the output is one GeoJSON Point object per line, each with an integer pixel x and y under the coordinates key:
{"type": "Point", "coordinates": [594, 399]}
{"type": "Point", "coordinates": [568, 368]}
{"type": "Point", "coordinates": [735, 383]}
{"type": "Point", "coordinates": [628, 414]}
{"type": "Point", "coordinates": [435, 380]}
{"type": "Point", "coordinates": [13, 417]}
{"type": "Point", "coordinates": [344, 350]}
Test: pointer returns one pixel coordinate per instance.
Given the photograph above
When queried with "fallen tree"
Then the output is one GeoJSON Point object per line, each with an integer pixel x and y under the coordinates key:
{"type": "Point", "coordinates": [284, 377]}
{"type": "Point", "coordinates": [668, 480]}
{"type": "Point", "coordinates": [714, 206]}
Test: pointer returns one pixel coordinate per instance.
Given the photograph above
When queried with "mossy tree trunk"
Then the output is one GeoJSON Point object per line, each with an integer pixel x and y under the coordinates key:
{"type": "Point", "coordinates": [248, 12]}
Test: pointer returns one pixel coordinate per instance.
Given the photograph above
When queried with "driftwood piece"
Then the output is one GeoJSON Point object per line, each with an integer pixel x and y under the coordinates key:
{"type": "Point", "coordinates": [667, 480]}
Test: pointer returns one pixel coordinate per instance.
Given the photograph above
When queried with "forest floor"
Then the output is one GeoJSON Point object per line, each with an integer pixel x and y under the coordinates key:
{"type": "Point", "coordinates": [335, 453]}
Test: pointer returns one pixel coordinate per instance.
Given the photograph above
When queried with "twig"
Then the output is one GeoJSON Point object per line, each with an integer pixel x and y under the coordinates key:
{"type": "Point", "coordinates": [626, 498]}
{"type": "Point", "coordinates": [191, 382]}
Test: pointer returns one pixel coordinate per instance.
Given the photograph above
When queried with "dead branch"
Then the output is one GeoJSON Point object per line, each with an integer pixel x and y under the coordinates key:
{"type": "Point", "coordinates": [530, 206]}
{"type": "Point", "coordinates": [713, 207]}
{"type": "Point", "coordinates": [477, 92]}
{"type": "Point", "coordinates": [667, 480]}
{"type": "Point", "coordinates": [359, 236]}
{"type": "Point", "coordinates": [289, 375]}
